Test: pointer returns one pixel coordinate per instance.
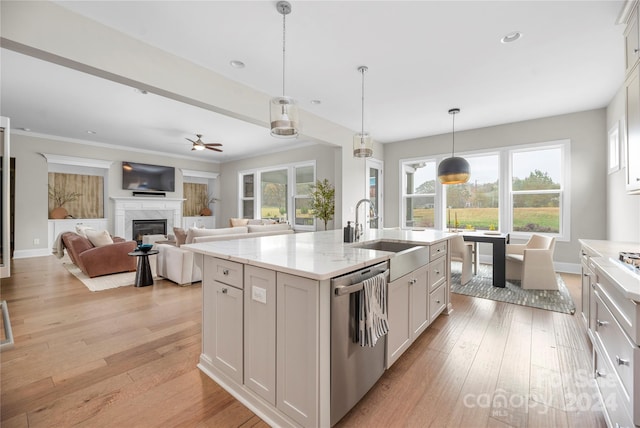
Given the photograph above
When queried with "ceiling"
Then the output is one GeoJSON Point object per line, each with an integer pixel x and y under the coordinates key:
{"type": "Point", "coordinates": [424, 57]}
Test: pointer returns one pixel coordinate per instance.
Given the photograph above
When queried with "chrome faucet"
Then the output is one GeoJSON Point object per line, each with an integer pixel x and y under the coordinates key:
{"type": "Point", "coordinates": [358, 231]}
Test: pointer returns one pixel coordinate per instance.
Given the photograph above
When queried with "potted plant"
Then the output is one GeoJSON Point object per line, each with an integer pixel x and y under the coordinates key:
{"type": "Point", "coordinates": [60, 196]}
{"type": "Point", "coordinates": [323, 201]}
{"type": "Point", "coordinates": [205, 200]}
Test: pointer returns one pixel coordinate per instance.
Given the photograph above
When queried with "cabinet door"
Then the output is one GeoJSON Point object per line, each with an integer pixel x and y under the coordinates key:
{"type": "Point", "coordinates": [399, 336]}
{"type": "Point", "coordinates": [631, 41]}
{"type": "Point", "coordinates": [260, 332]}
{"type": "Point", "coordinates": [633, 133]}
{"type": "Point", "coordinates": [297, 326]}
{"type": "Point", "coordinates": [227, 330]}
{"type": "Point", "coordinates": [419, 297]}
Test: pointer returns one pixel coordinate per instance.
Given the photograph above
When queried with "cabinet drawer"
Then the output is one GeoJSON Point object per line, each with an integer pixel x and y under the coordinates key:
{"type": "Point", "coordinates": [611, 393]}
{"type": "Point", "coordinates": [438, 250]}
{"type": "Point", "coordinates": [625, 310]}
{"type": "Point", "coordinates": [437, 302]}
{"type": "Point", "coordinates": [616, 345]}
{"type": "Point", "coordinates": [437, 273]}
{"type": "Point", "coordinates": [227, 272]}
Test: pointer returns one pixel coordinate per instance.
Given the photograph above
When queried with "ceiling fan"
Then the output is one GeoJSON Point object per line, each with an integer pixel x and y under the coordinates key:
{"type": "Point", "coordinates": [200, 145]}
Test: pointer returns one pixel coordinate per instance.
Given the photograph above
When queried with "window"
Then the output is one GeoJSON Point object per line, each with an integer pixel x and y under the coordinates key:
{"type": "Point", "coordinates": [246, 197]}
{"type": "Point", "coordinates": [475, 204]}
{"type": "Point", "coordinates": [305, 180]}
{"type": "Point", "coordinates": [273, 187]}
{"type": "Point", "coordinates": [536, 190]}
{"type": "Point", "coordinates": [419, 194]}
{"type": "Point", "coordinates": [284, 194]}
{"type": "Point", "coordinates": [519, 190]}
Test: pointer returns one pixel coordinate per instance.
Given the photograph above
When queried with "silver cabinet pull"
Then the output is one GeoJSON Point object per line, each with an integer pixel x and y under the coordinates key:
{"type": "Point", "coordinates": [621, 362]}
{"type": "Point", "coordinates": [224, 291]}
{"type": "Point", "coordinates": [602, 323]}
{"type": "Point", "coordinates": [225, 272]}
{"type": "Point", "coordinates": [437, 272]}
{"type": "Point", "coordinates": [438, 301]}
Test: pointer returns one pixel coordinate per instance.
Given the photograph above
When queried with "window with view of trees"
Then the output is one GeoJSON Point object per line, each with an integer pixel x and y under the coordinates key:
{"type": "Point", "coordinates": [536, 190]}
{"type": "Point", "coordinates": [475, 204]}
{"type": "Point", "coordinates": [511, 189]}
{"type": "Point", "coordinates": [419, 194]}
{"type": "Point", "coordinates": [284, 194]}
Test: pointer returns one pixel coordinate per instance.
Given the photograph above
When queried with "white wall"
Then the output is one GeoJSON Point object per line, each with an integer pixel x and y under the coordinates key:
{"type": "Point", "coordinates": [587, 132]}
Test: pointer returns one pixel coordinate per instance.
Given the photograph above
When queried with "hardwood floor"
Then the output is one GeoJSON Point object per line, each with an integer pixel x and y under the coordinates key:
{"type": "Point", "coordinates": [127, 357]}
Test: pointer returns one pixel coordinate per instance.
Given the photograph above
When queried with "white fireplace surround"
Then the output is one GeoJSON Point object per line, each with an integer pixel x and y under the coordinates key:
{"type": "Point", "coordinates": [127, 209]}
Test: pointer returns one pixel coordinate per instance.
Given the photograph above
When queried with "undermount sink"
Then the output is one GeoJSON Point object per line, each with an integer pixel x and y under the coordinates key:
{"type": "Point", "coordinates": [407, 258]}
{"type": "Point", "coordinates": [391, 246]}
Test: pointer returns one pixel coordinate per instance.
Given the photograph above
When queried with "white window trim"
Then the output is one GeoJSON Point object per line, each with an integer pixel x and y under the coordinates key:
{"type": "Point", "coordinates": [505, 204]}
{"type": "Point", "coordinates": [257, 200]}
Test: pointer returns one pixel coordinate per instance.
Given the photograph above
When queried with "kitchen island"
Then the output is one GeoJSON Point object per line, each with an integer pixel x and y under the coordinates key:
{"type": "Point", "coordinates": [267, 317]}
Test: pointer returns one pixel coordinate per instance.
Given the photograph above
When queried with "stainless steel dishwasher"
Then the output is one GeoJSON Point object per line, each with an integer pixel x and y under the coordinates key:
{"type": "Point", "coordinates": [354, 368]}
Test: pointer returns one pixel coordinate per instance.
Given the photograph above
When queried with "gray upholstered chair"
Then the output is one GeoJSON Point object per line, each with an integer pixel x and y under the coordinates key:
{"type": "Point", "coordinates": [532, 263]}
{"type": "Point", "coordinates": [462, 251]}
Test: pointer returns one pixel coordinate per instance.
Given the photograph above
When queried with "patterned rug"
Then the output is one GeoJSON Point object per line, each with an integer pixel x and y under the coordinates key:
{"type": "Point", "coordinates": [106, 282]}
{"type": "Point", "coordinates": [481, 286]}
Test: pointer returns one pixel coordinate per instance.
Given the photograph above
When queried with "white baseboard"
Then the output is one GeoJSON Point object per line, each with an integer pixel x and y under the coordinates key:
{"type": "Point", "coordinates": [36, 252]}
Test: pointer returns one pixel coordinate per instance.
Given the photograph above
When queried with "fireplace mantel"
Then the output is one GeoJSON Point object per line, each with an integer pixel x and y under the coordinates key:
{"type": "Point", "coordinates": [144, 207]}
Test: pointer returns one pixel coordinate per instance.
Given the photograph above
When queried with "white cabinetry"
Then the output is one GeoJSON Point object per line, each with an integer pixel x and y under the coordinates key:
{"type": "Point", "coordinates": [260, 332]}
{"type": "Point", "coordinates": [223, 321]}
{"type": "Point", "coordinates": [415, 301]}
{"type": "Point", "coordinates": [588, 290]}
{"type": "Point", "coordinates": [632, 87]}
{"type": "Point", "coordinates": [297, 348]}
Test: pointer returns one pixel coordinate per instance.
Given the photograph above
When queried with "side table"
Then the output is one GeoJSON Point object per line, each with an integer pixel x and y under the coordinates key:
{"type": "Point", "coordinates": [144, 276]}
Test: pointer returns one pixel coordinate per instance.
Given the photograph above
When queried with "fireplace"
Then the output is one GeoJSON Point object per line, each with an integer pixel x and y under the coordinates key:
{"type": "Point", "coordinates": [148, 227]}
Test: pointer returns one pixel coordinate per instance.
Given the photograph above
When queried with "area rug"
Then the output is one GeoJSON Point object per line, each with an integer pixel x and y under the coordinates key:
{"type": "Point", "coordinates": [106, 282]}
{"type": "Point", "coordinates": [481, 286]}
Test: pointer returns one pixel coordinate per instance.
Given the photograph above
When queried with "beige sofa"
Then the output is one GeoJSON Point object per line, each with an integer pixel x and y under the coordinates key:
{"type": "Point", "coordinates": [185, 267]}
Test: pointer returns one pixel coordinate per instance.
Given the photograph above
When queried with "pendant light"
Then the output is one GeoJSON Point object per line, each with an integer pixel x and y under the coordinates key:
{"type": "Point", "coordinates": [362, 143]}
{"type": "Point", "coordinates": [454, 170]}
{"type": "Point", "coordinates": [284, 110]}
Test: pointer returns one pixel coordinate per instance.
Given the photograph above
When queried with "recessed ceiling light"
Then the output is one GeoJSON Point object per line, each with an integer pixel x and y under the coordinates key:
{"type": "Point", "coordinates": [91, 132]}
{"type": "Point", "coordinates": [316, 102]}
{"type": "Point", "coordinates": [511, 37]}
{"type": "Point", "coordinates": [236, 64]}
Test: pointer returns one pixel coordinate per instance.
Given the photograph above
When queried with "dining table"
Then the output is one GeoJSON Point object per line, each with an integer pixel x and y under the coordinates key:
{"type": "Point", "coordinates": [498, 241]}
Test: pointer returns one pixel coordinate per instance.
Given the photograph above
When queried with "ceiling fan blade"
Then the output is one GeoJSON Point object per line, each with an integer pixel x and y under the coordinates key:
{"type": "Point", "coordinates": [213, 148]}
{"type": "Point", "coordinates": [212, 144]}
{"type": "Point", "coordinates": [188, 139]}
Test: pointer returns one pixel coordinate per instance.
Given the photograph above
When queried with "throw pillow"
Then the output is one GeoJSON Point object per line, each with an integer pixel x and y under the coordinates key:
{"type": "Point", "coordinates": [80, 230]}
{"type": "Point", "coordinates": [98, 238]}
{"type": "Point", "coordinates": [181, 235]}
{"type": "Point", "coordinates": [233, 222]}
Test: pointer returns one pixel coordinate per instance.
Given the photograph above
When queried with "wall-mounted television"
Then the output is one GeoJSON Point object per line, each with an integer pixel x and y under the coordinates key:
{"type": "Point", "coordinates": [140, 176]}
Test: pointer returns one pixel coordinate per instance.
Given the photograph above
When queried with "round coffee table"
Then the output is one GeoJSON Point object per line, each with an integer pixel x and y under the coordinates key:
{"type": "Point", "coordinates": [144, 276]}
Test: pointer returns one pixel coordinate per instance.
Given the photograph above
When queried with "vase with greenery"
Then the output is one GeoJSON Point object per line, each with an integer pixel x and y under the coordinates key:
{"type": "Point", "coordinates": [323, 201]}
{"type": "Point", "coordinates": [205, 201]}
{"type": "Point", "coordinates": [61, 196]}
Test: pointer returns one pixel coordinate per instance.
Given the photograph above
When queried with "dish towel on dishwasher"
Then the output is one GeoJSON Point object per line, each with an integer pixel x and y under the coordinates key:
{"type": "Point", "coordinates": [372, 321]}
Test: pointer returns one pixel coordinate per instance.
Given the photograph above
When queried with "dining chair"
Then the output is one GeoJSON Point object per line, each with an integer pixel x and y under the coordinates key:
{"type": "Point", "coordinates": [532, 263]}
{"type": "Point", "coordinates": [462, 251]}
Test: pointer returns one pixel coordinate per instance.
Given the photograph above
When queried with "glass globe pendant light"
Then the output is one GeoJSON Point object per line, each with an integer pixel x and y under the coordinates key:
{"type": "Point", "coordinates": [454, 170]}
{"type": "Point", "coordinates": [284, 110]}
{"type": "Point", "coordinates": [362, 142]}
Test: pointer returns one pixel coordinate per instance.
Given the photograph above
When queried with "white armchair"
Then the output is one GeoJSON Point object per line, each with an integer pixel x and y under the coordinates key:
{"type": "Point", "coordinates": [180, 266]}
{"type": "Point", "coordinates": [532, 263]}
{"type": "Point", "coordinates": [462, 251]}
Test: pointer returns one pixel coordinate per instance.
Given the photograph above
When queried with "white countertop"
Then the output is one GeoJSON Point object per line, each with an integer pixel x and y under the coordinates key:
{"type": "Point", "coordinates": [604, 253]}
{"type": "Point", "coordinates": [315, 255]}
